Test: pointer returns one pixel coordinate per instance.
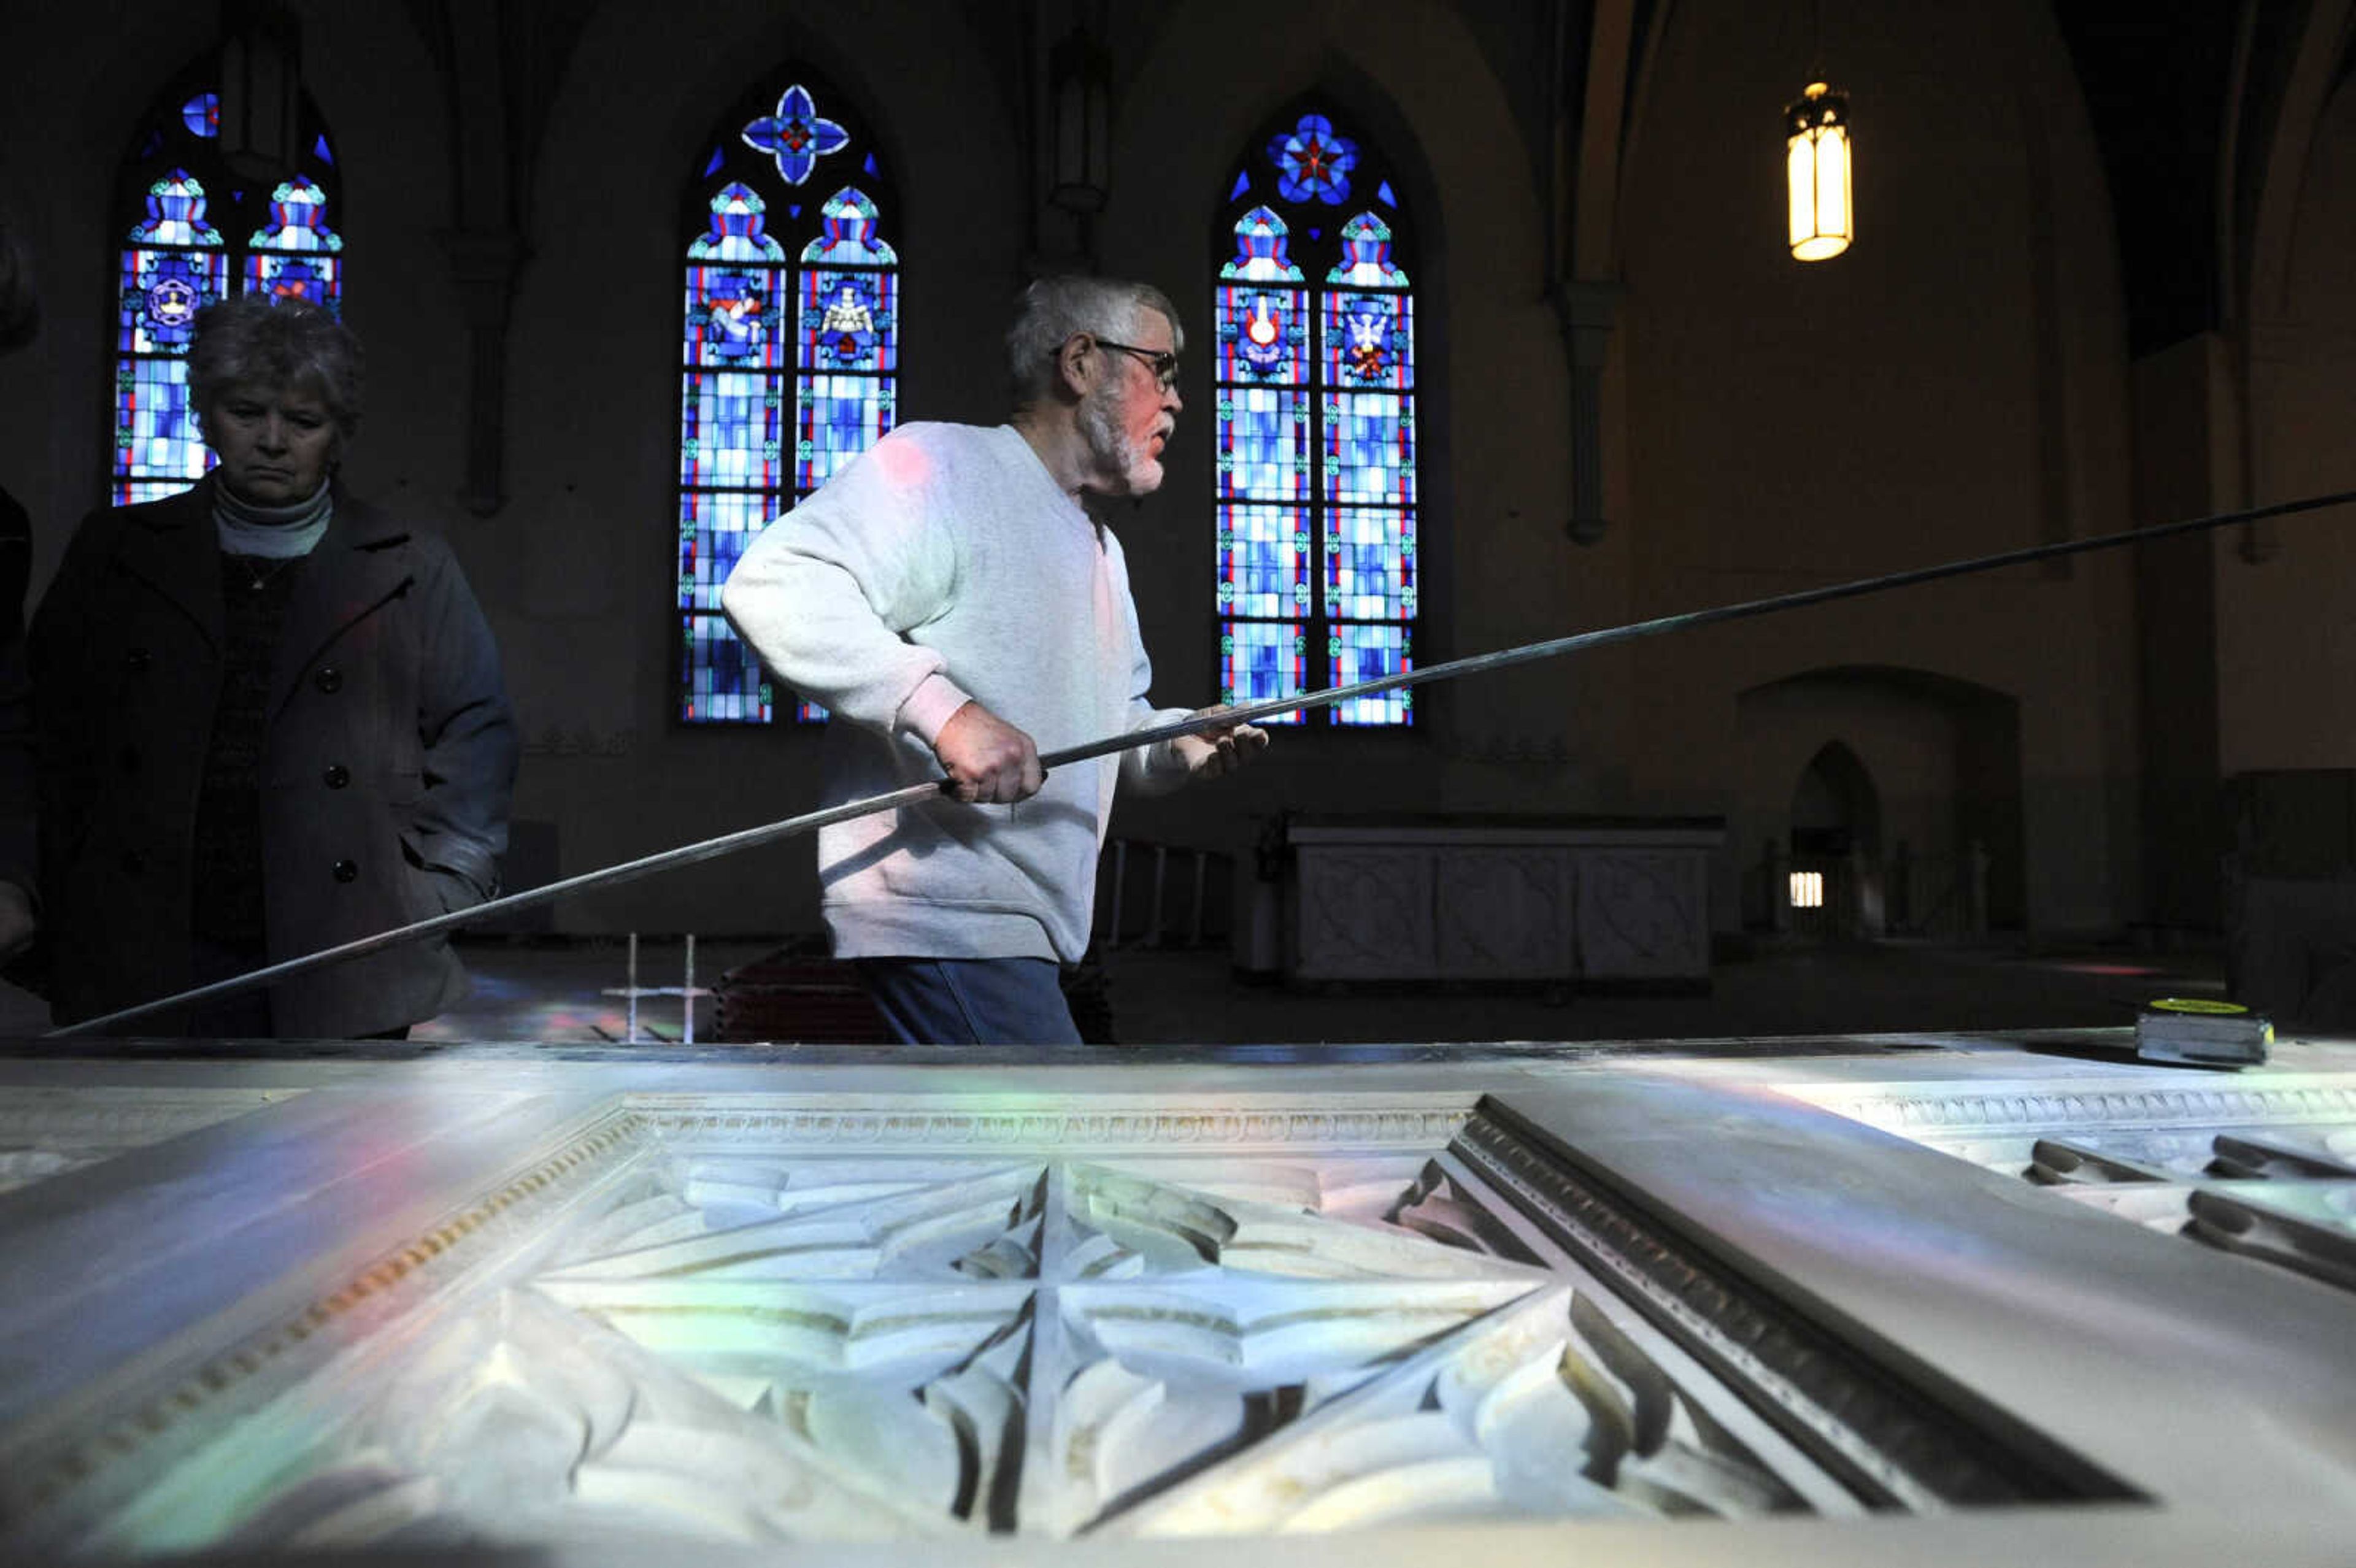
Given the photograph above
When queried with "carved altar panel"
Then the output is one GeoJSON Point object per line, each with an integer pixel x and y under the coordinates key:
{"type": "Point", "coordinates": [1363, 916]}
{"type": "Point", "coordinates": [1504, 914]}
{"type": "Point", "coordinates": [1376, 901]}
{"type": "Point", "coordinates": [1643, 913]}
{"type": "Point", "coordinates": [764, 1320]}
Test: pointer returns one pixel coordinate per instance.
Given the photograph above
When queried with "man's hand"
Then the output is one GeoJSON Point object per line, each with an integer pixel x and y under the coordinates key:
{"type": "Point", "coordinates": [989, 760]}
{"type": "Point", "coordinates": [17, 921]}
{"type": "Point", "coordinates": [1219, 750]}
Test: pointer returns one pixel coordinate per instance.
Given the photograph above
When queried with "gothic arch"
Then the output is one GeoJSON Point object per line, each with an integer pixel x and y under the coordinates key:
{"type": "Point", "coordinates": [193, 230]}
{"type": "Point", "coordinates": [1321, 399]}
{"type": "Point", "coordinates": [790, 350]}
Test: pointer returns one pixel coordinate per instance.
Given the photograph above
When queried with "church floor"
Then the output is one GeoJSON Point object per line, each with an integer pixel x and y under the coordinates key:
{"type": "Point", "coordinates": [1180, 996]}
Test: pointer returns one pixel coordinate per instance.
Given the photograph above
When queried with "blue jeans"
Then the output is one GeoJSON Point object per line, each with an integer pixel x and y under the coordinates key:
{"type": "Point", "coordinates": [969, 1001]}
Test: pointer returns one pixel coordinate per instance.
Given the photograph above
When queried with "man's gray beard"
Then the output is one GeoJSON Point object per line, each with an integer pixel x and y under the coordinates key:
{"type": "Point", "coordinates": [1111, 448]}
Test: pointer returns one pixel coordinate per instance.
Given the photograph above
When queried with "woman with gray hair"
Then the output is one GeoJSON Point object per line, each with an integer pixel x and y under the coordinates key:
{"type": "Point", "coordinates": [269, 717]}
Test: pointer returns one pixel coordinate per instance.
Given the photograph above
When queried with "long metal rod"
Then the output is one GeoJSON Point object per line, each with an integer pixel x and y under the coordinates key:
{"type": "Point", "coordinates": [1528, 653]}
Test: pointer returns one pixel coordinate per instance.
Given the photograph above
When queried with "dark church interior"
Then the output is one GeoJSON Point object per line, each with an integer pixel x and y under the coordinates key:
{"type": "Point", "coordinates": [1875, 1070]}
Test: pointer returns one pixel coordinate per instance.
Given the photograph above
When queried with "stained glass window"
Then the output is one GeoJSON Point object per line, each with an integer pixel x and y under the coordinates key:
{"type": "Point", "coordinates": [791, 354]}
{"type": "Point", "coordinates": [192, 231]}
{"type": "Point", "coordinates": [1316, 433]}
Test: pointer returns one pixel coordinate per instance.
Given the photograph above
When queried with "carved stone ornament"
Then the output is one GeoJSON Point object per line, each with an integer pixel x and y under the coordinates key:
{"type": "Point", "coordinates": [748, 1321]}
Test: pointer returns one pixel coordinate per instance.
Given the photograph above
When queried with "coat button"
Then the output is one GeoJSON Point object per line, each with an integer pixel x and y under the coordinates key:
{"type": "Point", "coordinates": [347, 870]}
{"type": "Point", "coordinates": [133, 862]}
{"type": "Point", "coordinates": [138, 658]}
{"type": "Point", "coordinates": [337, 776]}
{"type": "Point", "coordinates": [329, 678]}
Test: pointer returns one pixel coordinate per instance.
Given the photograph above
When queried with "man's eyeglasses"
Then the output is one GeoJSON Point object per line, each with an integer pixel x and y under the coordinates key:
{"type": "Point", "coordinates": [1162, 361]}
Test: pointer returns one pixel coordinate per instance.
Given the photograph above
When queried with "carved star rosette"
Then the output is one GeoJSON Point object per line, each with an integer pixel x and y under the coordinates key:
{"type": "Point", "coordinates": [730, 1346]}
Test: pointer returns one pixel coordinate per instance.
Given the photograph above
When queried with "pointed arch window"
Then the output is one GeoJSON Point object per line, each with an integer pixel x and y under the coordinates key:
{"type": "Point", "coordinates": [1314, 342]}
{"type": "Point", "coordinates": [791, 354]}
{"type": "Point", "coordinates": [192, 233]}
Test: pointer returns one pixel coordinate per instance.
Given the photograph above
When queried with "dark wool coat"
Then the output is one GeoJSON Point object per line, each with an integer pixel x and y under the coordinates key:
{"type": "Point", "coordinates": [386, 774]}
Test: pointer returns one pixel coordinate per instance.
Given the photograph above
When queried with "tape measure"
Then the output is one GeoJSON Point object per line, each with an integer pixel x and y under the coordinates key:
{"type": "Point", "coordinates": [2202, 1033]}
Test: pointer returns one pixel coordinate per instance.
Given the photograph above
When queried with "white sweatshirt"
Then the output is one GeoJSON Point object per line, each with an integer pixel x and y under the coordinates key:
{"type": "Point", "coordinates": [943, 563]}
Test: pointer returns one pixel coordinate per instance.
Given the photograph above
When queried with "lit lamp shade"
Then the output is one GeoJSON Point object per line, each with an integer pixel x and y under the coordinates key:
{"type": "Point", "coordinates": [1816, 169]}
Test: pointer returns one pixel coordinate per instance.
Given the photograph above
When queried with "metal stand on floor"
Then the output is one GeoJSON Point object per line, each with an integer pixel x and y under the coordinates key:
{"type": "Point", "coordinates": [687, 991]}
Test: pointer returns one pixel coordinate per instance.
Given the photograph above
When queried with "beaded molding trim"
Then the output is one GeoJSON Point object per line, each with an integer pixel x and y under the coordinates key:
{"type": "Point", "coordinates": [32, 1484]}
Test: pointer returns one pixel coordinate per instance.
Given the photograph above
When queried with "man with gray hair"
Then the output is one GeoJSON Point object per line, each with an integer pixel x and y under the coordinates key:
{"type": "Point", "coordinates": [947, 598]}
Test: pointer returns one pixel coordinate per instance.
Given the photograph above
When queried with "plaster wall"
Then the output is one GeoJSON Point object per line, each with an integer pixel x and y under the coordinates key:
{"type": "Point", "coordinates": [1949, 387]}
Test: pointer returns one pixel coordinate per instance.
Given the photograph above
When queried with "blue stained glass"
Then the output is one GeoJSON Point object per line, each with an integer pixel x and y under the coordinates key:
{"type": "Point", "coordinates": [850, 238]}
{"type": "Point", "coordinates": [1365, 261]}
{"type": "Point", "coordinates": [849, 320]}
{"type": "Point", "coordinates": [1370, 563]}
{"type": "Point", "coordinates": [714, 527]}
{"type": "Point", "coordinates": [730, 430]}
{"type": "Point", "coordinates": [734, 317]}
{"type": "Point", "coordinates": [1369, 340]}
{"type": "Point", "coordinates": [1263, 560]}
{"type": "Point", "coordinates": [158, 451]}
{"type": "Point", "coordinates": [1369, 448]}
{"type": "Point", "coordinates": [841, 416]}
{"type": "Point", "coordinates": [181, 252]}
{"type": "Point", "coordinates": [724, 681]}
{"type": "Point", "coordinates": [139, 491]}
{"type": "Point", "coordinates": [1263, 335]}
{"type": "Point", "coordinates": [1356, 653]}
{"type": "Point", "coordinates": [738, 229]}
{"type": "Point", "coordinates": [298, 219]}
{"type": "Point", "coordinates": [294, 256]}
{"type": "Point", "coordinates": [1314, 162]}
{"type": "Point", "coordinates": [792, 353]}
{"type": "Point", "coordinates": [1263, 444]}
{"type": "Point", "coordinates": [1261, 241]}
{"type": "Point", "coordinates": [1242, 184]}
{"type": "Point", "coordinates": [162, 292]}
{"type": "Point", "coordinates": [313, 278]}
{"type": "Point", "coordinates": [1261, 661]}
{"type": "Point", "coordinates": [176, 213]}
{"type": "Point", "coordinates": [1383, 194]}
{"type": "Point", "coordinates": [795, 136]}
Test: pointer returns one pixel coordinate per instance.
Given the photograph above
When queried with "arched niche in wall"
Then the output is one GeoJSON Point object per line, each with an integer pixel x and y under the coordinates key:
{"type": "Point", "coordinates": [1943, 841]}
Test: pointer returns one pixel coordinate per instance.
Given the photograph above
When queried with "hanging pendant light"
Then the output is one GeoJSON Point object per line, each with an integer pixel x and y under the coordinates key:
{"type": "Point", "coordinates": [1816, 171]}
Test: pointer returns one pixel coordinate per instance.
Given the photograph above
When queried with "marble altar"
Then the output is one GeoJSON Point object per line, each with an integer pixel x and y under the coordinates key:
{"type": "Point", "coordinates": [1919, 1298]}
{"type": "Point", "coordinates": [1530, 899]}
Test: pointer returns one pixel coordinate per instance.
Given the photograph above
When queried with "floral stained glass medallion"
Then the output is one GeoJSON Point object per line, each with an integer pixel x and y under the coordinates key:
{"type": "Point", "coordinates": [182, 248]}
{"type": "Point", "coordinates": [790, 356]}
{"type": "Point", "coordinates": [1316, 449]}
{"type": "Point", "coordinates": [1313, 161]}
{"type": "Point", "coordinates": [797, 136]}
